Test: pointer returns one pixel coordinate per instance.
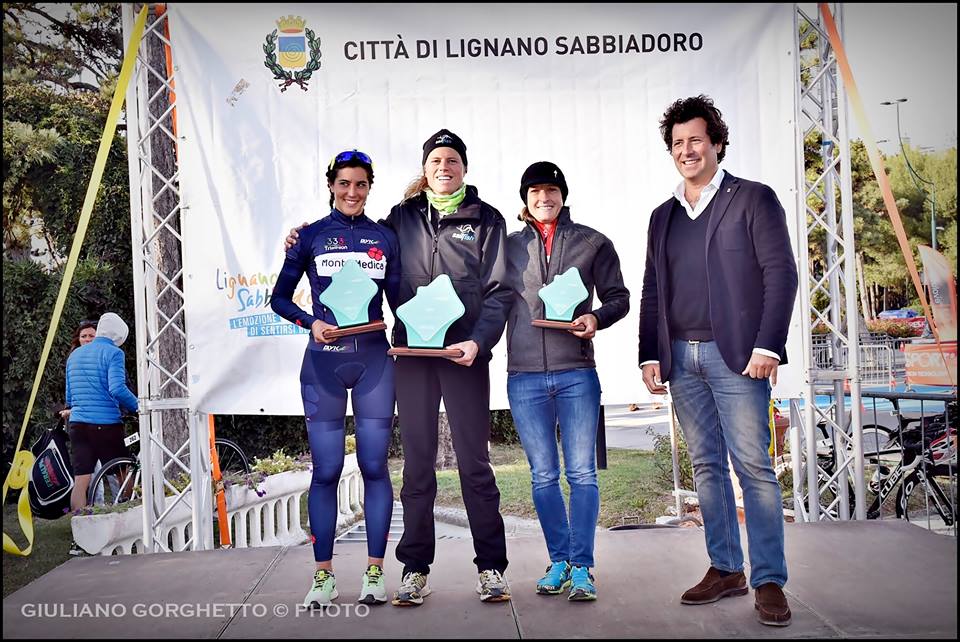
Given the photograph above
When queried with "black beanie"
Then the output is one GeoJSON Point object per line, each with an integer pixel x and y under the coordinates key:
{"type": "Point", "coordinates": [444, 138]}
{"type": "Point", "coordinates": [543, 173]}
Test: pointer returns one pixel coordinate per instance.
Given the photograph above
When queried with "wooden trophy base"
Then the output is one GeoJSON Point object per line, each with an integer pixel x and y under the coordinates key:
{"type": "Point", "coordinates": [373, 326]}
{"type": "Point", "coordinates": [425, 352]}
{"type": "Point", "coordinates": [558, 325]}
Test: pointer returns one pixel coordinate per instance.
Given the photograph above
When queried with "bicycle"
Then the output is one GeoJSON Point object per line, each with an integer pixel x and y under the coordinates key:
{"type": "Point", "coordinates": [911, 457]}
{"type": "Point", "coordinates": [120, 480]}
{"type": "Point", "coordinates": [926, 455]}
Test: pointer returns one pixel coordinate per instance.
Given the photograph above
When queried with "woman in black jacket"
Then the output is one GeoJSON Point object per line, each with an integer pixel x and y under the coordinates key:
{"type": "Point", "coordinates": [444, 228]}
{"type": "Point", "coordinates": [552, 374]}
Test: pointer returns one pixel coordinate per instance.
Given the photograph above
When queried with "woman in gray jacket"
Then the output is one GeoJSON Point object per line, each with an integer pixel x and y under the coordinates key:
{"type": "Point", "coordinates": [552, 374]}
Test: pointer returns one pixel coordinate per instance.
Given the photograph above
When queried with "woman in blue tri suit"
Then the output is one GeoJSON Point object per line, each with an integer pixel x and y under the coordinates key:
{"type": "Point", "coordinates": [331, 366]}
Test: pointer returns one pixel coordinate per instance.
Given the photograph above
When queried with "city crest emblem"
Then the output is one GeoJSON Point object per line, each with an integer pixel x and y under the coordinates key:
{"type": "Point", "coordinates": [293, 66]}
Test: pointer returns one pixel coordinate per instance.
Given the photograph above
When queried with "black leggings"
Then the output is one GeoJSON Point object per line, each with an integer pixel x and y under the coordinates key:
{"type": "Point", "coordinates": [421, 382]}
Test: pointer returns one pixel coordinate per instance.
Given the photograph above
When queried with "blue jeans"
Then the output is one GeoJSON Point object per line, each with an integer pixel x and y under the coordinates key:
{"type": "Point", "coordinates": [723, 412]}
{"type": "Point", "coordinates": [539, 401]}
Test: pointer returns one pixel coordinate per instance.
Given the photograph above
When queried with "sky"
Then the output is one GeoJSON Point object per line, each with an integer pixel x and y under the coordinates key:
{"type": "Point", "coordinates": [905, 51]}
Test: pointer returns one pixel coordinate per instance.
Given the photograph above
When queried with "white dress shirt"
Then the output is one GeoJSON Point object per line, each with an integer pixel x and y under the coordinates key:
{"type": "Point", "coordinates": [706, 195]}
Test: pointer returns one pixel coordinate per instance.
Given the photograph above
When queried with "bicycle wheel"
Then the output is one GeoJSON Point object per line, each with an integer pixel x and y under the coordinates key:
{"type": "Point", "coordinates": [232, 458]}
{"type": "Point", "coordinates": [934, 489]}
{"type": "Point", "coordinates": [880, 457]}
{"type": "Point", "coordinates": [119, 480]}
{"type": "Point", "coordinates": [876, 438]}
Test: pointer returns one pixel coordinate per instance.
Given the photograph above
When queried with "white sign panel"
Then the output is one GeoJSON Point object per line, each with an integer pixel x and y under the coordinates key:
{"type": "Point", "coordinates": [583, 86]}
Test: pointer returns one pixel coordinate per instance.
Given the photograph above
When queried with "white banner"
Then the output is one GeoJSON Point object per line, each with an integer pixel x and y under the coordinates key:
{"type": "Point", "coordinates": [583, 86]}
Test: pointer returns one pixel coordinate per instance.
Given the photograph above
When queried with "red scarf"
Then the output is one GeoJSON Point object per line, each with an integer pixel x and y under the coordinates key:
{"type": "Point", "coordinates": [547, 231]}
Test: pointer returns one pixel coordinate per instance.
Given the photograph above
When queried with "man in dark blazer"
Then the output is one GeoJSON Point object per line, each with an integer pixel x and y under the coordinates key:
{"type": "Point", "coordinates": [718, 291]}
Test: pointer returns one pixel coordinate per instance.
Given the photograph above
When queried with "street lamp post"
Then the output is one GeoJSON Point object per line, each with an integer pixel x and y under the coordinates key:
{"type": "Point", "coordinates": [932, 196]}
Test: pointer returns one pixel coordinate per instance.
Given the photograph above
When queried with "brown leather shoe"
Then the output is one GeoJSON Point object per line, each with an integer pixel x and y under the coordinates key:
{"type": "Point", "coordinates": [771, 605]}
{"type": "Point", "coordinates": [713, 587]}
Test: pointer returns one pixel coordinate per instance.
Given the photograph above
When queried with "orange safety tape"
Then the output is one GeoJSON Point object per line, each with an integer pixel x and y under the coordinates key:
{"type": "Point", "coordinates": [876, 162]}
{"type": "Point", "coordinates": [161, 10]}
{"type": "Point", "coordinates": [222, 517]}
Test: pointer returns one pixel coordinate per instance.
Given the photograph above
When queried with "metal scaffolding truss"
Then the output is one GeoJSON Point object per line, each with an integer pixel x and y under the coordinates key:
{"type": "Point", "coordinates": [827, 294]}
{"type": "Point", "coordinates": [171, 474]}
{"type": "Point", "coordinates": [828, 452]}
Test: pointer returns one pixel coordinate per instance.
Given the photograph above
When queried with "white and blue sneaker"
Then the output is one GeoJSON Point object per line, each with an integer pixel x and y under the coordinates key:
{"type": "Point", "coordinates": [492, 586]}
{"type": "Point", "coordinates": [413, 588]}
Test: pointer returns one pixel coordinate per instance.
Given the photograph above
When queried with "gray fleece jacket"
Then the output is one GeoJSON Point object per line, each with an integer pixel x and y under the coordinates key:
{"type": "Point", "coordinates": [531, 349]}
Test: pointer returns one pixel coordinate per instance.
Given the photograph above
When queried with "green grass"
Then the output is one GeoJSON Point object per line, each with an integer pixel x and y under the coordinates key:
{"type": "Point", "coordinates": [628, 487]}
{"type": "Point", "coordinates": [51, 546]}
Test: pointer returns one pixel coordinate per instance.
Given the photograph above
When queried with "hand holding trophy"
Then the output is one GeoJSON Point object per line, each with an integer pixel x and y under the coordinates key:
{"type": "Point", "coordinates": [560, 299]}
{"type": "Point", "coordinates": [348, 296]}
{"type": "Point", "coordinates": [427, 316]}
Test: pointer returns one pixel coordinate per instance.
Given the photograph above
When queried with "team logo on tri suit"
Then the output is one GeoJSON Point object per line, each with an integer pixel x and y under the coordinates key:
{"type": "Point", "coordinates": [465, 233]}
{"type": "Point", "coordinates": [292, 66]}
{"type": "Point", "coordinates": [336, 243]}
{"type": "Point", "coordinates": [373, 262]}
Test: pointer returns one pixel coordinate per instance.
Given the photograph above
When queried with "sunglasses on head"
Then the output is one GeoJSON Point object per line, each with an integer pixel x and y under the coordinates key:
{"type": "Point", "coordinates": [349, 155]}
{"type": "Point", "coordinates": [92, 322]}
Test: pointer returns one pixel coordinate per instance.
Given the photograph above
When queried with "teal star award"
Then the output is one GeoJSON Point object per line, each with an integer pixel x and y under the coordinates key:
{"type": "Point", "coordinates": [560, 299]}
{"type": "Point", "coordinates": [427, 316]}
{"type": "Point", "coordinates": [348, 296]}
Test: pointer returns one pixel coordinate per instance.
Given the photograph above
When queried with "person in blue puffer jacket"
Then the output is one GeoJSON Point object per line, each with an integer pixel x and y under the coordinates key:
{"type": "Point", "coordinates": [97, 392]}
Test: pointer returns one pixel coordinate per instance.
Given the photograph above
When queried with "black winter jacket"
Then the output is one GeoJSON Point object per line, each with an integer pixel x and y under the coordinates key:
{"type": "Point", "coordinates": [470, 248]}
{"type": "Point", "coordinates": [531, 349]}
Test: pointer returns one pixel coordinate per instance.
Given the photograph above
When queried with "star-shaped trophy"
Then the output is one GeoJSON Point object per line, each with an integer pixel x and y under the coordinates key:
{"type": "Point", "coordinates": [349, 295]}
{"type": "Point", "coordinates": [560, 299]}
{"type": "Point", "coordinates": [427, 316]}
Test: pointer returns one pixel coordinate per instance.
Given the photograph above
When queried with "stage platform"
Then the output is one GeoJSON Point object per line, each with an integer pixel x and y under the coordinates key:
{"type": "Point", "coordinates": [847, 580]}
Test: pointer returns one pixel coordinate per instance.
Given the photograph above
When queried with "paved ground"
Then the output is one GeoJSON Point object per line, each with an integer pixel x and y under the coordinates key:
{"type": "Point", "coordinates": [635, 429]}
{"type": "Point", "coordinates": [450, 523]}
{"type": "Point", "coordinates": [851, 579]}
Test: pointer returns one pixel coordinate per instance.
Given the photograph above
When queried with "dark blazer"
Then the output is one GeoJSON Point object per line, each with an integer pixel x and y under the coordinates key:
{"type": "Point", "coordinates": [751, 276]}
